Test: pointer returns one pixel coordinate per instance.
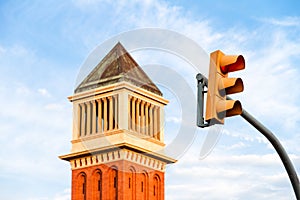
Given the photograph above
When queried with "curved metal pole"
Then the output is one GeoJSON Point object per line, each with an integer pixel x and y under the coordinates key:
{"type": "Point", "coordinates": [280, 150]}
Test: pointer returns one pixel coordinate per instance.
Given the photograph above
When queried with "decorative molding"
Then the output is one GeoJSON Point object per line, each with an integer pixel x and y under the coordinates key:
{"type": "Point", "coordinates": [118, 155]}
{"type": "Point", "coordinates": [115, 88]}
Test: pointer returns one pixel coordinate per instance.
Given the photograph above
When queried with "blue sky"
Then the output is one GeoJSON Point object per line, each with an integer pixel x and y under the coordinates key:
{"type": "Point", "coordinates": [44, 43]}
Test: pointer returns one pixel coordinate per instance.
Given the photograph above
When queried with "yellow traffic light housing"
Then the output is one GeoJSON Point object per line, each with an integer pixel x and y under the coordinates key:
{"type": "Point", "coordinates": [219, 85]}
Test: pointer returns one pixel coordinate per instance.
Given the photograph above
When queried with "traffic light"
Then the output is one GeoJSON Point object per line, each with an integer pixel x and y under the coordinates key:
{"type": "Point", "coordinates": [219, 85]}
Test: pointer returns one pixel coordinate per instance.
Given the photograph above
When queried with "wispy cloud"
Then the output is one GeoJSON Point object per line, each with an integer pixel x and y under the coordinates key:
{"type": "Point", "coordinates": [248, 176]}
{"type": "Point", "coordinates": [30, 125]}
{"type": "Point", "coordinates": [289, 21]}
{"type": "Point", "coordinates": [65, 195]}
{"type": "Point", "coordinates": [44, 92]}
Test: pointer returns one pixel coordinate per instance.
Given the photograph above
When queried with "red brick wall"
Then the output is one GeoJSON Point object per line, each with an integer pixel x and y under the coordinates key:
{"type": "Point", "coordinates": [134, 182]}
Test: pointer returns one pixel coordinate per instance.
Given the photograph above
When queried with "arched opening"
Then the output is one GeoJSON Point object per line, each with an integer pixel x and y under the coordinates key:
{"type": "Point", "coordinates": [156, 188]}
{"type": "Point", "coordinates": [132, 183]}
{"type": "Point", "coordinates": [97, 185]}
{"type": "Point", "coordinates": [114, 184]}
{"type": "Point", "coordinates": [82, 186]}
{"type": "Point", "coordinates": [144, 186]}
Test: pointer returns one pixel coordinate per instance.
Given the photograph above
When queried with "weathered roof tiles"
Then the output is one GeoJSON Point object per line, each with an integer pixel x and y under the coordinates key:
{"type": "Point", "coordinates": [117, 66]}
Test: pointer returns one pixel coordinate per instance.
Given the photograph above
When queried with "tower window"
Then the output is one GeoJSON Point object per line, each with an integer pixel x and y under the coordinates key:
{"type": "Point", "coordinates": [83, 188]}
{"type": "Point", "coordinates": [115, 182]}
{"type": "Point", "coordinates": [99, 185]}
{"type": "Point", "coordinates": [129, 182]}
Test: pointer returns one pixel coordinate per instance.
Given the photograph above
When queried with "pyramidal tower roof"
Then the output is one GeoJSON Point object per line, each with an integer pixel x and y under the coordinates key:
{"type": "Point", "coordinates": [117, 66]}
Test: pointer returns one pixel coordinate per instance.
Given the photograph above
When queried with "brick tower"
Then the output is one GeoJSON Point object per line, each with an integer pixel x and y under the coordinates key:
{"type": "Point", "coordinates": [117, 133]}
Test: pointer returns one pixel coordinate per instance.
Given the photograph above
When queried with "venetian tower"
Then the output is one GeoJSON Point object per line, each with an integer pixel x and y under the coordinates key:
{"type": "Point", "coordinates": [118, 117]}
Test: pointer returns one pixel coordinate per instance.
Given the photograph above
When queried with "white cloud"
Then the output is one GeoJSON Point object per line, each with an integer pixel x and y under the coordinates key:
{"type": "Point", "coordinates": [234, 177]}
{"type": "Point", "coordinates": [237, 146]}
{"type": "Point", "coordinates": [245, 136]}
{"type": "Point", "coordinates": [141, 14]}
{"type": "Point", "coordinates": [65, 195]}
{"type": "Point", "coordinates": [2, 50]}
{"type": "Point", "coordinates": [285, 22]}
{"type": "Point", "coordinates": [272, 79]}
{"type": "Point", "coordinates": [31, 130]}
{"type": "Point", "coordinates": [173, 119]}
{"type": "Point", "coordinates": [23, 90]}
{"type": "Point", "coordinates": [44, 92]}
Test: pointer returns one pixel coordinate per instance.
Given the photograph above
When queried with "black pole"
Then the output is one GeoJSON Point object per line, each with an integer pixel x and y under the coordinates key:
{"type": "Point", "coordinates": [201, 83]}
{"type": "Point", "coordinates": [279, 148]}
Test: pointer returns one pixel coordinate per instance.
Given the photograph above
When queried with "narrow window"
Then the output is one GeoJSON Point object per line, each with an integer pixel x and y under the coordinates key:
{"type": "Point", "coordinates": [115, 182]}
{"type": "Point", "coordinates": [129, 182]}
{"type": "Point", "coordinates": [114, 194]}
{"type": "Point", "coordinates": [156, 189]}
{"type": "Point", "coordinates": [99, 185]}
{"type": "Point", "coordinates": [142, 186]}
{"type": "Point", "coordinates": [82, 186]}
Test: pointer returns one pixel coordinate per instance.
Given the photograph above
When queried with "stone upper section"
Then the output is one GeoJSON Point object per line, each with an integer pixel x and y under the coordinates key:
{"type": "Point", "coordinates": [117, 66]}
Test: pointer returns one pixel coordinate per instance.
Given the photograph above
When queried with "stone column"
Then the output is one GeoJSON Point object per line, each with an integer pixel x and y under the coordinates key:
{"type": "Point", "coordinates": [147, 118]}
{"type": "Point", "coordinates": [111, 113]}
{"type": "Point", "coordinates": [88, 118]}
{"type": "Point", "coordinates": [83, 120]}
{"type": "Point", "coordinates": [161, 123]}
{"type": "Point", "coordinates": [137, 116]}
{"type": "Point", "coordinates": [94, 118]}
{"type": "Point", "coordinates": [151, 132]}
{"type": "Point", "coordinates": [142, 123]}
{"type": "Point", "coordinates": [133, 125]}
{"type": "Point", "coordinates": [99, 121]}
{"type": "Point", "coordinates": [123, 110]}
{"type": "Point", "coordinates": [76, 121]}
{"type": "Point", "coordinates": [155, 122]}
{"type": "Point", "coordinates": [115, 99]}
{"type": "Point", "coordinates": [105, 122]}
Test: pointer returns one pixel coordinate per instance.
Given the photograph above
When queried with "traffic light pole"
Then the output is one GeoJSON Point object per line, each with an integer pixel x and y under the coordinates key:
{"type": "Point", "coordinates": [202, 82]}
{"type": "Point", "coordinates": [279, 148]}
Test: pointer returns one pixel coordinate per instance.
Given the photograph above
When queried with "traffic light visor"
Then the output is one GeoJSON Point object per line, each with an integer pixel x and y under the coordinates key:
{"type": "Point", "coordinates": [232, 63]}
{"type": "Point", "coordinates": [230, 86]}
{"type": "Point", "coordinates": [229, 108]}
